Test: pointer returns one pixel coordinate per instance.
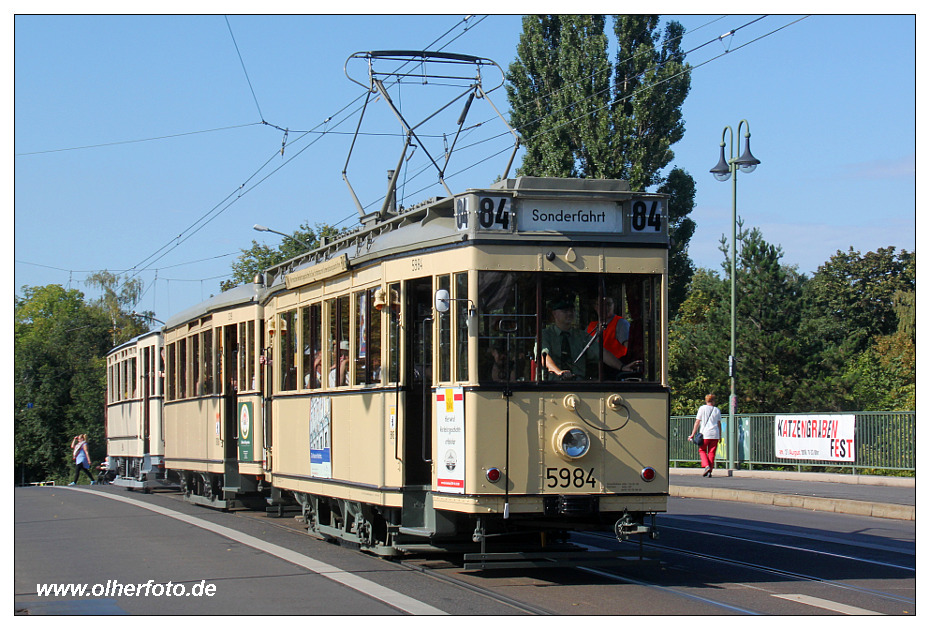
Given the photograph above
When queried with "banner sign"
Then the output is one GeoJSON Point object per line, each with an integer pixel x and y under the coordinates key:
{"type": "Point", "coordinates": [450, 424]}
{"type": "Point", "coordinates": [827, 438]}
{"type": "Point", "coordinates": [321, 462]}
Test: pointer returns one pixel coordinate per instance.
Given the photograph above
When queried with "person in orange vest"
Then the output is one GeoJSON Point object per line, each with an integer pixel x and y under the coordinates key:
{"type": "Point", "coordinates": [614, 330]}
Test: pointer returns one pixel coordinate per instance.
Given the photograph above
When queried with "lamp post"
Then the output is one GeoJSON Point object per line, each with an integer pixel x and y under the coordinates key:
{"type": "Point", "coordinates": [722, 172]}
{"type": "Point", "coordinates": [262, 228]}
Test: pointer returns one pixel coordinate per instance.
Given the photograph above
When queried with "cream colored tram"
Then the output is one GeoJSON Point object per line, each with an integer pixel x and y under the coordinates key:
{"type": "Point", "coordinates": [412, 406]}
{"type": "Point", "coordinates": [134, 421]}
{"type": "Point", "coordinates": [213, 399]}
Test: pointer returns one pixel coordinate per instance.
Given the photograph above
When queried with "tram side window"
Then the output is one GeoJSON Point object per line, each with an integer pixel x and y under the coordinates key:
{"type": "Point", "coordinates": [250, 356]}
{"type": "Point", "coordinates": [445, 334]}
{"type": "Point", "coordinates": [195, 366]}
{"type": "Point", "coordinates": [368, 341]}
{"type": "Point", "coordinates": [220, 384]}
{"type": "Point", "coordinates": [394, 303]}
{"type": "Point", "coordinates": [507, 326]}
{"type": "Point", "coordinates": [171, 374]}
{"type": "Point", "coordinates": [207, 345]}
{"type": "Point", "coordinates": [311, 328]}
{"type": "Point", "coordinates": [132, 377]}
{"type": "Point", "coordinates": [287, 331]}
{"type": "Point", "coordinates": [461, 326]}
{"type": "Point", "coordinates": [338, 341]}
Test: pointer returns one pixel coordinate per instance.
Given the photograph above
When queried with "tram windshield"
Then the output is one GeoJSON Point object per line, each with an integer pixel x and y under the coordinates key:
{"type": "Point", "coordinates": [561, 326]}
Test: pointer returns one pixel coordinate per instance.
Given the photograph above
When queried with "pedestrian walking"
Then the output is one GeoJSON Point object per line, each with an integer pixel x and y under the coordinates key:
{"type": "Point", "coordinates": [81, 458]}
{"type": "Point", "coordinates": [706, 433]}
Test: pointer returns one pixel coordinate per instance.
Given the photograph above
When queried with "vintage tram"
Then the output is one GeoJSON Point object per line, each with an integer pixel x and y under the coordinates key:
{"type": "Point", "coordinates": [440, 379]}
{"type": "Point", "coordinates": [134, 421]}
{"type": "Point", "coordinates": [212, 395]}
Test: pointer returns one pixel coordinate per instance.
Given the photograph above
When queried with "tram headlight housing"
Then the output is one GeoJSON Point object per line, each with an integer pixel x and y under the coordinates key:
{"type": "Point", "coordinates": [571, 442]}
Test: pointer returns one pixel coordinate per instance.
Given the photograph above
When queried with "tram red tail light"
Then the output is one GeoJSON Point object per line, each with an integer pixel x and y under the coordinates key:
{"type": "Point", "coordinates": [493, 475]}
{"type": "Point", "coordinates": [648, 473]}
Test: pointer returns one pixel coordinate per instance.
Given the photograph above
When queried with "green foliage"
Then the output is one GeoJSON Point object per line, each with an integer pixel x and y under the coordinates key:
{"type": "Point", "coordinates": [59, 379]}
{"type": "Point", "coordinates": [259, 257]}
{"type": "Point", "coordinates": [572, 122]}
{"type": "Point", "coordinates": [843, 340]}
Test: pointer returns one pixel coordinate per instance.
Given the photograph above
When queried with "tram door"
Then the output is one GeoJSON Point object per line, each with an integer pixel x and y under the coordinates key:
{"type": "Point", "coordinates": [230, 392]}
{"type": "Point", "coordinates": [418, 378]}
{"type": "Point", "coordinates": [147, 367]}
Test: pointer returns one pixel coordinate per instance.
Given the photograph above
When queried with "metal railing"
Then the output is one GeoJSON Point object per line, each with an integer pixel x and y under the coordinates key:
{"type": "Point", "coordinates": [883, 440]}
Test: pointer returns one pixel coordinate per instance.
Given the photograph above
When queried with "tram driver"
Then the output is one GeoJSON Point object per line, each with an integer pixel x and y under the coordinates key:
{"type": "Point", "coordinates": [565, 347]}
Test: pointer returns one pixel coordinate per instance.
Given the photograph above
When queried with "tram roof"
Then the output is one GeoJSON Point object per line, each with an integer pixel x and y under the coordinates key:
{"type": "Point", "coordinates": [435, 224]}
{"type": "Point", "coordinates": [237, 296]}
{"type": "Point", "coordinates": [134, 341]}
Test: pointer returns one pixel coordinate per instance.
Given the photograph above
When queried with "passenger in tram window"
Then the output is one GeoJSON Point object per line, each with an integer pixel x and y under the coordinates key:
{"type": "Point", "coordinates": [500, 362]}
{"type": "Point", "coordinates": [343, 367]}
{"type": "Point", "coordinates": [614, 333]}
{"type": "Point", "coordinates": [376, 368]}
{"type": "Point", "coordinates": [314, 375]}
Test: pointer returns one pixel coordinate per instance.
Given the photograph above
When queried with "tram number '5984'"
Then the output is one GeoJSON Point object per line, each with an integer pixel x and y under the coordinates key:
{"type": "Point", "coordinates": [493, 213]}
{"type": "Point", "coordinates": [645, 217]}
{"type": "Point", "coordinates": [569, 478]}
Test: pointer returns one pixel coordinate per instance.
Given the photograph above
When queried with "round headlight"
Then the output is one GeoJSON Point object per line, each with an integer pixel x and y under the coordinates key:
{"type": "Point", "coordinates": [574, 443]}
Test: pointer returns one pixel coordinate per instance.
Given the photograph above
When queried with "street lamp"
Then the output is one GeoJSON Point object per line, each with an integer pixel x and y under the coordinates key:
{"type": "Point", "coordinates": [722, 172]}
{"type": "Point", "coordinates": [262, 228]}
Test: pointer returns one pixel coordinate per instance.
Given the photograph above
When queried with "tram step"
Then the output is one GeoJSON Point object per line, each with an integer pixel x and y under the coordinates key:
{"type": "Point", "coordinates": [421, 532]}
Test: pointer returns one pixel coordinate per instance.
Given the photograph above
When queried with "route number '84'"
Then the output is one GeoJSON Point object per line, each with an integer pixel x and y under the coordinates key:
{"type": "Point", "coordinates": [646, 215]}
{"type": "Point", "coordinates": [570, 477]}
{"type": "Point", "coordinates": [493, 213]}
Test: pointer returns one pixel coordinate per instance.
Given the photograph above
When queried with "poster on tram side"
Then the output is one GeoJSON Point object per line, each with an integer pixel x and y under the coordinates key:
{"type": "Point", "coordinates": [321, 464]}
{"type": "Point", "coordinates": [450, 424]}
{"type": "Point", "coordinates": [827, 438]}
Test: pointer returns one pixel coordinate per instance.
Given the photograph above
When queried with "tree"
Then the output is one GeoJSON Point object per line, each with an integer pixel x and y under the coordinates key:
{"type": "Point", "coordinates": [698, 343]}
{"type": "Point", "coordinates": [260, 257]}
{"type": "Point", "coordinates": [574, 123]}
{"type": "Point", "coordinates": [768, 350]}
{"type": "Point", "coordinates": [59, 379]}
{"type": "Point", "coordinates": [119, 297]}
{"type": "Point", "coordinates": [851, 301]}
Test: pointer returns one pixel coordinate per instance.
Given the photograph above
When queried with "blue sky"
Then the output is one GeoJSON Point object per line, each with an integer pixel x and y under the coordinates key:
{"type": "Point", "coordinates": [830, 101]}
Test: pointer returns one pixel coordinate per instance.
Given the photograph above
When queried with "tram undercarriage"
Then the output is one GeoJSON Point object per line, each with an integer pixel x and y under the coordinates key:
{"type": "Point", "coordinates": [484, 541]}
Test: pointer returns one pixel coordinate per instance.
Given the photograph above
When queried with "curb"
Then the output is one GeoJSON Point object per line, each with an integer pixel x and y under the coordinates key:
{"type": "Point", "coordinates": [819, 504]}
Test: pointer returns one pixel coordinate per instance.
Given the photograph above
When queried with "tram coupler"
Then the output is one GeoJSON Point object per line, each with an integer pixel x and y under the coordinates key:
{"type": "Point", "coordinates": [627, 526]}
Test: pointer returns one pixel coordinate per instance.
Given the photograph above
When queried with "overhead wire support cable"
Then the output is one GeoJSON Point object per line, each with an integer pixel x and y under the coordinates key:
{"type": "Point", "coordinates": [246, 72]}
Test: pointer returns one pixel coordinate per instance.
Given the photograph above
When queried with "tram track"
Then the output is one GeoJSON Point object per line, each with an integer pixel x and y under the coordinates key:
{"type": "Point", "coordinates": [794, 575]}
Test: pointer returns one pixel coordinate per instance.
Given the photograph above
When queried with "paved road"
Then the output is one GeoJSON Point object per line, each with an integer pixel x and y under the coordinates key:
{"type": "Point", "coordinates": [108, 540]}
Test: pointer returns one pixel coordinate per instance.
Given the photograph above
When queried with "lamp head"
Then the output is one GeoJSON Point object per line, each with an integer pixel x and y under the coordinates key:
{"type": "Point", "coordinates": [747, 162]}
{"type": "Point", "coordinates": [722, 171]}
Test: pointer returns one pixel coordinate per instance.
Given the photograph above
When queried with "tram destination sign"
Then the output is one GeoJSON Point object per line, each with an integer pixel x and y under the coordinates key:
{"type": "Point", "coordinates": [499, 213]}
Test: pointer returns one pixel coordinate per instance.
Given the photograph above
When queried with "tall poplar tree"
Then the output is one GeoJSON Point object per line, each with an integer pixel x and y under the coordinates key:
{"type": "Point", "coordinates": [578, 115]}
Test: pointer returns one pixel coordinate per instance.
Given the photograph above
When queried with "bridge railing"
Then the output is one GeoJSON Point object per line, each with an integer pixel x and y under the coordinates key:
{"type": "Point", "coordinates": [883, 440]}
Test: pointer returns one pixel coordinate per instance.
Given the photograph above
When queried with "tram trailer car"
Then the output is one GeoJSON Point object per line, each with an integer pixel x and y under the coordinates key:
{"type": "Point", "coordinates": [134, 422]}
{"type": "Point", "coordinates": [213, 399]}
{"type": "Point", "coordinates": [414, 400]}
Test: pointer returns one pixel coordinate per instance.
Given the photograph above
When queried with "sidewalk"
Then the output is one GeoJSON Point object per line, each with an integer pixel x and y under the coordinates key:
{"type": "Point", "coordinates": [883, 497]}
